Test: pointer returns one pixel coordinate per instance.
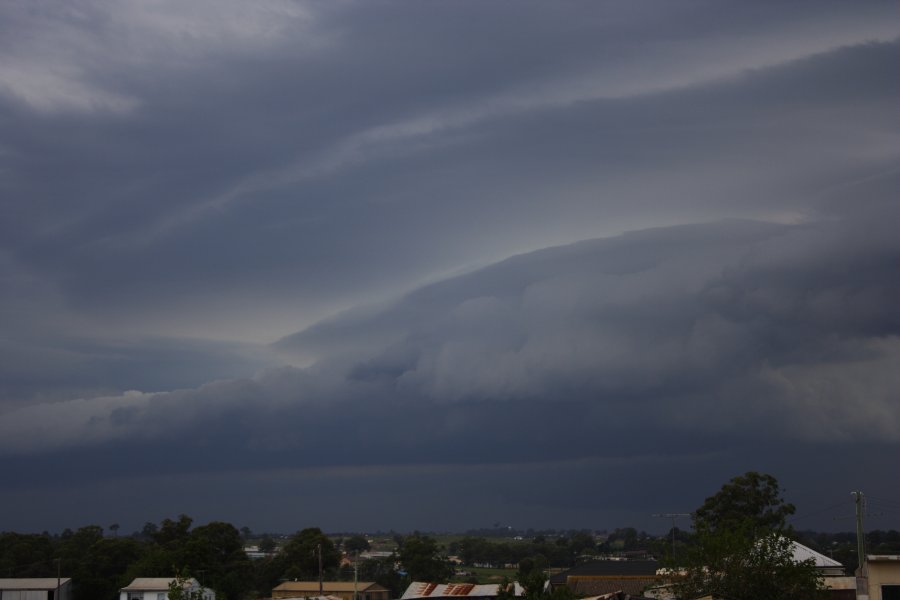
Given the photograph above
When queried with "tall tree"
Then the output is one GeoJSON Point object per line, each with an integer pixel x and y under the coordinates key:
{"type": "Point", "coordinates": [741, 548]}
{"type": "Point", "coordinates": [737, 566]}
{"type": "Point", "coordinates": [300, 554]}
{"type": "Point", "coordinates": [750, 500]}
{"type": "Point", "coordinates": [216, 550]}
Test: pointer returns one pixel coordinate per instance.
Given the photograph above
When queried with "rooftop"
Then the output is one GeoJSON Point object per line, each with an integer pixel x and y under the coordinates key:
{"type": "Point", "coordinates": [328, 586]}
{"type": "Point", "coordinates": [155, 584]}
{"type": "Point", "coordinates": [421, 589]}
{"type": "Point", "coordinates": [32, 583]}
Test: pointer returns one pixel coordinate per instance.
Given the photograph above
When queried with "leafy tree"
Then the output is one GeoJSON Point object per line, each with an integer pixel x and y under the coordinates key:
{"type": "Point", "coordinates": [149, 531]}
{"type": "Point", "coordinates": [749, 500]}
{"type": "Point", "coordinates": [178, 589]}
{"type": "Point", "coordinates": [356, 544]}
{"type": "Point", "coordinates": [217, 550]}
{"type": "Point", "coordinates": [267, 544]}
{"type": "Point", "coordinates": [741, 548]}
{"type": "Point", "coordinates": [382, 572]}
{"type": "Point", "coordinates": [734, 565]}
{"type": "Point", "coordinates": [26, 555]}
{"type": "Point", "coordinates": [300, 555]}
{"type": "Point", "coordinates": [103, 570]}
{"type": "Point", "coordinates": [172, 534]}
{"type": "Point", "coordinates": [581, 542]}
{"type": "Point", "coordinates": [532, 577]}
{"type": "Point", "coordinates": [421, 558]}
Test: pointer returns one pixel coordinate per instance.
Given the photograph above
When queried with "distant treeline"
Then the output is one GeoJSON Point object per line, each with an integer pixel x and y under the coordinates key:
{"type": "Point", "coordinates": [100, 563]}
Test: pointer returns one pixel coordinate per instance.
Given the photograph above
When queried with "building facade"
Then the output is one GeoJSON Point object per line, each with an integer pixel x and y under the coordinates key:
{"type": "Point", "coordinates": [157, 588]}
{"type": "Point", "coordinates": [364, 590]}
{"type": "Point", "coordinates": [884, 576]}
{"type": "Point", "coordinates": [36, 588]}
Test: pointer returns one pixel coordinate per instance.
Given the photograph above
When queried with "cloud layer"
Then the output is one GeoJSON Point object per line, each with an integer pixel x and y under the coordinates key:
{"type": "Point", "coordinates": [626, 238]}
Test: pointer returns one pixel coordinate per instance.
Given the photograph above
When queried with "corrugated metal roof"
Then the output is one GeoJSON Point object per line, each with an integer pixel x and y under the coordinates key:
{"type": "Point", "coordinates": [155, 583]}
{"type": "Point", "coordinates": [328, 586]}
{"type": "Point", "coordinates": [607, 568]}
{"type": "Point", "coordinates": [312, 598]}
{"type": "Point", "coordinates": [32, 583]}
{"type": "Point", "coordinates": [802, 553]}
{"type": "Point", "coordinates": [424, 589]}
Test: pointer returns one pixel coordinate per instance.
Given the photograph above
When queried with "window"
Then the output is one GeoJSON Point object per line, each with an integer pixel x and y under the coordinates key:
{"type": "Point", "coordinates": [161, 596]}
{"type": "Point", "coordinates": [890, 592]}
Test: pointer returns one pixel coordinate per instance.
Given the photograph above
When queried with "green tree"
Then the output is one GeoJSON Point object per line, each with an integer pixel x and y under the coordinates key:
{"type": "Point", "coordinates": [217, 550]}
{"type": "Point", "coordinates": [738, 566]}
{"type": "Point", "coordinates": [300, 555]}
{"type": "Point", "coordinates": [27, 555]}
{"type": "Point", "coordinates": [267, 544]}
{"type": "Point", "coordinates": [179, 588]}
{"type": "Point", "coordinates": [103, 570]}
{"type": "Point", "coordinates": [741, 549]}
{"type": "Point", "coordinates": [172, 534]}
{"type": "Point", "coordinates": [356, 544]}
{"type": "Point", "coordinates": [750, 500]}
{"type": "Point", "coordinates": [532, 577]}
{"type": "Point", "coordinates": [421, 558]}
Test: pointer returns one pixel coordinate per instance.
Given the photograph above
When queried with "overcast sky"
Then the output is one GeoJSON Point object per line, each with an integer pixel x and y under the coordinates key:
{"type": "Point", "coordinates": [370, 265]}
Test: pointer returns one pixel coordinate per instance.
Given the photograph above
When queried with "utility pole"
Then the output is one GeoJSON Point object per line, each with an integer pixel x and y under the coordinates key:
{"type": "Point", "coordinates": [356, 576]}
{"type": "Point", "coordinates": [321, 585]}
{"type": "Point", "coordinates": [674, 517]}
{"type": "Point", "coordinates": [58, 578]}
{"type": "Point", "coordinates": [862, 584]}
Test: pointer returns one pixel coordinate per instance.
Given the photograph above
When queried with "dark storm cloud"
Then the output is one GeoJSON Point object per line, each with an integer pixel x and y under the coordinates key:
{"type": "Point", "coordinates": [687, 351]}
{"type": "Point", "coordinates": [179, 173]}
{"type": "Point", "coordinates": [289, 156]}
{"type": "Point", "coordinates": [721, 338]}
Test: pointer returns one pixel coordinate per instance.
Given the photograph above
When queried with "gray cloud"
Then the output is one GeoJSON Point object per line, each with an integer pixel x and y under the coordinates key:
{"type": "Point", "coordinates": [288, 156]}
{"type": "Point", "coordinates": [177, 178]}
{"type": "Point", "coordinates": [754, 333]}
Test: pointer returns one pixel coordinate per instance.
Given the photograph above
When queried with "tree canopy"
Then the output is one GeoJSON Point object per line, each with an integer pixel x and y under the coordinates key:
{"type": "Point", "coordinates": [421, 558]}
{"type": "Point", "coordinates": [750, 500]}
{"type": "Point", "coordinates": [741, 549]}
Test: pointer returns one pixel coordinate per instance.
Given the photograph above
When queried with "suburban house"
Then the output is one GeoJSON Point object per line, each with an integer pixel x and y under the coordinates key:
{"type": "Point", "coordinates": [840, 585]}
{"type": "Point", "coordinates": [600, 577]}
{"type": "Point", "coordinates": [364, 590]}
{"type": "Point", "coordinates": [36, 588]}
{"type": "Point", "coordinates": [157, 588]}
{"type": "Point", "coordinates": [418, 590]}
{"type": "Point", "coordinates": [884, 576]}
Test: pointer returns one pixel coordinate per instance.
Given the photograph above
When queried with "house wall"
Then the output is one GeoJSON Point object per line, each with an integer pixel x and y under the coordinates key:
{"type": "Point", "coordinates": [158, 595]}
{"type": "Point", "coordinates": [144, 595]}
{"type": "Point", "coordinates": [882, 573]}
{"type": "Point", "coordinates": [65, 593]}
{"type": "Point", "coordinates": [24, 595]}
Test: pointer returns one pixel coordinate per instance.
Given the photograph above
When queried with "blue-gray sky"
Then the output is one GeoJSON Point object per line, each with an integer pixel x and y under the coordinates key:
{"type": "Point", "coordinates": [434, 265]}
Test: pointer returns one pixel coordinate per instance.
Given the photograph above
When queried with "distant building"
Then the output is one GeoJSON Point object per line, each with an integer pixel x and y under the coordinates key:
{"type": "Point", "coordinates": [601, 577]}
{"type": "Point", "coordinates": [157, 588]}
{"type": "Point", "coordinates": [365, 590]}
{"type": "Point", "coordinates": [840, 585]}
{"type": "Point", "coordinates": [35, 588]}
{"type": "Point", "coordinates": [419, 590]}
{"type": "Point", "coordinates": [884, 576]}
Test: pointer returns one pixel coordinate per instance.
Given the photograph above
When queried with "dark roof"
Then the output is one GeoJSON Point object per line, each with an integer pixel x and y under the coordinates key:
{"type": "Point", "coordinates": [634, 585]}
{"type": "Point", "coordinates": [607, 568]}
